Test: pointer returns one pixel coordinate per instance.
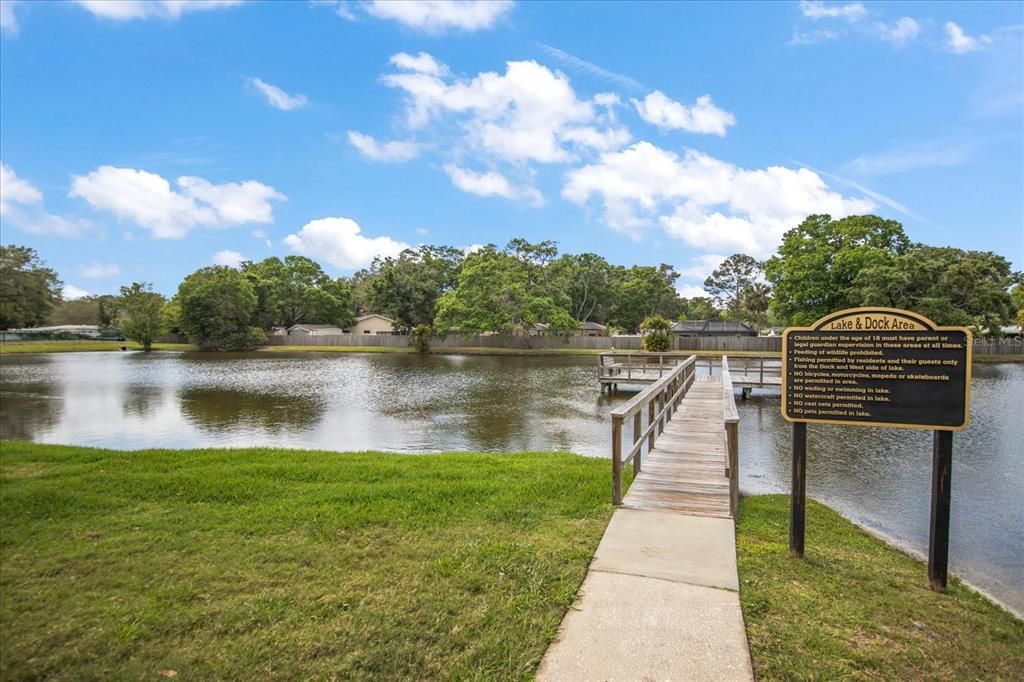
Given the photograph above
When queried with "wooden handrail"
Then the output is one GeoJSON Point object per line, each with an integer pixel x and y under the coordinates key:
{"type": "Point", "coordinates": [661, 399]}
{"type": "Point", "coordinates": [732, 434]}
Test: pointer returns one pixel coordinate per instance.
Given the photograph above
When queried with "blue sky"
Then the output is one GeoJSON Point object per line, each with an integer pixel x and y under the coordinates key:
{"type": "Point", "coordinates": [143, 140]}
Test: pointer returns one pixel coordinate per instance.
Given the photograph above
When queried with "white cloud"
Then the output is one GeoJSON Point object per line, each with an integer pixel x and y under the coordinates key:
{"type": "Point", "coordinates": [232, 259]}
{"type": "Point", "coordinates": [707, 203]}
{"type": "Point", "coordinates": [491, 184]}
{"type": "Point", "coordinates": [691, 291]}
{"type": "Point", "coordinates": [438, 16]}
{"type": "Point", "coordinates": [259, 233]}
{"type": "Point", "coordinates": [70, 292]}
{"type": "Point", "coordinates": [519, 116]}
{"type": "Point", "coordinates": [472, 248]}
{"type": "Point", "coordinates": [340, 242]}
{"type": "Point", "coordinates": [276, 97]}
{"type": "Point", "coordinates": [21, 204]}
{"type": "Point", "coordinates": [601, 140]}
{"type": "Point", "coordinates": [958, 42]}
{"type": "Point", "coordinates": [422, 231]}
{"type": "Point", "coordinates": [97, 270]}
{"type": "Point", "coordinates": [701, 266]}
{"type": "Point", "coordinates": [933, 155]}
{"type": "Point", "coordinates": [878, 197]}
{"type": "Point", "coordinates": [665, 113]}
{"type": "Point", "coordinates": [341, 7]}
{"type": "Point", "coordinates": [8, 20]}
{"type": "Point", "coordinates": [15, 190]}
{"type": "Point", "coordinates": [170, 10]}
{"type": "Point", "coordinates": [148, 200]}
{"type": "Point", "coordinates": [813, 9]}
{"type": "Point", "coordinates": [903, 31]}
{"type": "Point", "coordinates": [394, 151]}
{"type": "Point", "coordinates": [813, 37]}
{"type": "Point", "coordinates": [421, 63]}
{"type": "Point", "coordinates": [39, 221]}
{"type": "Point", "coordinates": [590, 68]}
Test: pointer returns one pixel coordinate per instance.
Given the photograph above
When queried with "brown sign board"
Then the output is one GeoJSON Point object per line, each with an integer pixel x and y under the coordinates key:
{"type": "Point", "coordinates": [877, 367]}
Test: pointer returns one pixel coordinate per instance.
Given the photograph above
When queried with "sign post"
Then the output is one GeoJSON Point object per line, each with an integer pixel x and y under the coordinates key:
{"type": "Point", "coordinates": [798, 491]}
{"type": "Point", "coordinates": [938, 537]}
{"type": "Point", "coordinates": [879, 367]}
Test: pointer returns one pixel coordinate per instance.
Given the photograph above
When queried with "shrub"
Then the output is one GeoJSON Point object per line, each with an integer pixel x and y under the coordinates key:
{"type": "Point", "coordinates": [657, 334]}
{"type": "Point", "coordinates": [420, 338]}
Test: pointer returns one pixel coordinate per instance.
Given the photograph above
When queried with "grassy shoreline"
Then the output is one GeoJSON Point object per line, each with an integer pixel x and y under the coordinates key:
{"type": "Point", "coordinates": [858, 608]}
{"type": "Point", "coordinates": [255, 563]}
{"type": "Point", "coordinates": [12, 347]}
{"type": "Point", "coordinates": [242, 563]}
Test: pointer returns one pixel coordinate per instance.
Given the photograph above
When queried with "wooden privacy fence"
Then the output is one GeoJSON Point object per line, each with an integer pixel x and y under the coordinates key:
{"type": "Point", "coordinates": [761, 344]}
{"type": "Point", "coordinates": [659, 401]}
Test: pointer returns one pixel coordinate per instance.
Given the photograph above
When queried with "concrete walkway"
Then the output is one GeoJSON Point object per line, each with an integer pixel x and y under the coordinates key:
{"type": "Point", "coordinates": [660, 602]}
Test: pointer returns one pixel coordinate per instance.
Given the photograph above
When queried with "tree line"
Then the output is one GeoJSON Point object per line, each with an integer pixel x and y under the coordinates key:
{"type": "Point", "coordinates": [822, 265]}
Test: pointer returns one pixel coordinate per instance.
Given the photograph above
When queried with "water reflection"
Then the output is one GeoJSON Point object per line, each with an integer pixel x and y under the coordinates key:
{"type": "Point", "coordinates": [218, 409]}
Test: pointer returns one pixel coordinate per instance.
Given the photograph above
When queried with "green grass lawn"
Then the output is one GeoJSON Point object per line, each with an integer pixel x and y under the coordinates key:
{"type": "Point", "coordinates": [245, 564]}
{"type": "Point", "coordinates": [856, 608]}
{"type": "Point", "coordinates": [79, 346]}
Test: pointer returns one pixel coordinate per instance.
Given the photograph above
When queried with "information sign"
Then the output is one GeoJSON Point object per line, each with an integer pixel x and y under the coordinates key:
{"type": "Point", "coordinates": [877, 367]}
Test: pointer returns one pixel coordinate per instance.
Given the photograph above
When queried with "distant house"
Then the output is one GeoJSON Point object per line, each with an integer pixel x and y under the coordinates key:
{"type": "Point", "coordinates": [279, 331]}
{"type": "Point", "coordinates": [314, 330]}
{"type": "Point", "coordinates": [1011, 331]}
{"type": "Point", "coordinates": [688, 328]}
{"type": "Point", "coordinates": [537, 329]}
{"type": "Point", "coordinates": [373, 324]}
{"type": "Point", "coordinates": [592, 329]}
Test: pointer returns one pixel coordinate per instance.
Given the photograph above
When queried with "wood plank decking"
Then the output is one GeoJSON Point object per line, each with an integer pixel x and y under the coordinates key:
{"type": "Point", "coordinates": [686, 470]}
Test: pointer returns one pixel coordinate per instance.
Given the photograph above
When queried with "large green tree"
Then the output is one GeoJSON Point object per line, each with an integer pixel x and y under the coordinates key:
{"type": "Point", "coordinates": [297, 290]}
{"type": "Point", "coordinates": [816, 267]}
{"type": "Point", "coordinates": [730, 280]}
{"type": "Point", "coordinates": [79, 311]}
{"type": "Point", "coordinates": [406, 288]}
{"type": "Point", "coordinates": [499, 291]}
{"type": "Point", "coordinates": [698, 308]}
{"type": "Point", "coordinates": [642, 291]}
{"type": "Point", "coordinates": [1017, 298]}
{"type": "Point", "coordinates": [217, 305]}
{"type": "Point", "coordinates": [587, 279]}
{"type": "Point", "coordinates": [28, 289]}
{"type": "Point", "coordinates": [140, 313]}
{"type": "Point", "coordinates": [755, 301]}
{"type": "Point", "coordinates": [945, 284]}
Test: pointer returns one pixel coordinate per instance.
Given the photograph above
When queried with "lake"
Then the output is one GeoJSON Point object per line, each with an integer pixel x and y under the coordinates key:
{"type": "Point", "coordinates": [878, 477]}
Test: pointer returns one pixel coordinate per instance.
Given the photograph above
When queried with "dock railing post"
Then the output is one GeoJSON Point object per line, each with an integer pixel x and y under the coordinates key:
{"type": "Point", "coordinates": [616, 460]}
{"type": "Point", "coordinates": [650, 424]}
{"type": "Point", "coordinates": [638, 432]}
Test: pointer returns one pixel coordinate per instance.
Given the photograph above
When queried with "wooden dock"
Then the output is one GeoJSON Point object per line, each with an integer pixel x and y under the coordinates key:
{"type": "Point", "coordinates": [642, 369]}
{"type": "Point", "coordinates": [687, 470]}
{"type": "Point", "coordinates": [685, 454]}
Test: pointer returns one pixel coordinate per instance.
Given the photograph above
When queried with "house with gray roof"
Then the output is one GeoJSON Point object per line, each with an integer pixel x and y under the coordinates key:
{"type": "Point", "coordinates": [688, 328]}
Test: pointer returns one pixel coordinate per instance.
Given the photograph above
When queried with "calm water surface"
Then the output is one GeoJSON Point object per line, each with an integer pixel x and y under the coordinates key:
{"type": "Point", "coordinates": [406, 403]}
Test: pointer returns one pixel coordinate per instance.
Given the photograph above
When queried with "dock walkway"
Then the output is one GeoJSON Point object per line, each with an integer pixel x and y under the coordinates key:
{"type": "Point", "coordinates": [661, 598]}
